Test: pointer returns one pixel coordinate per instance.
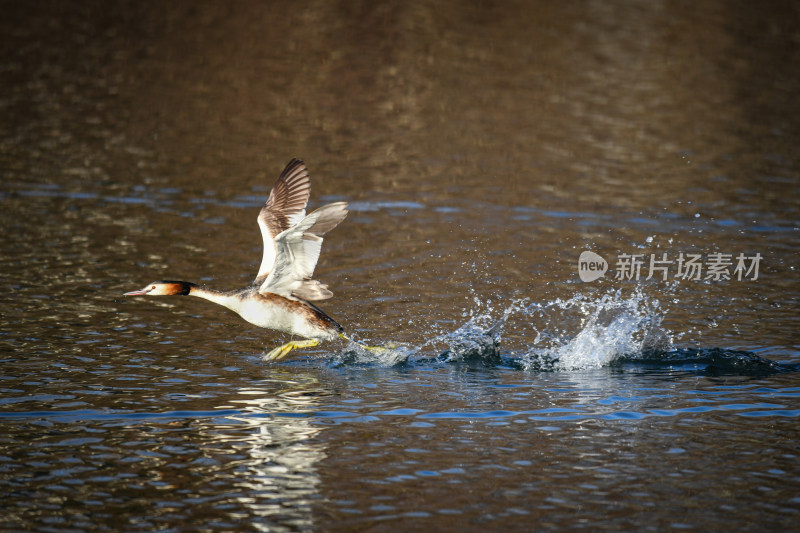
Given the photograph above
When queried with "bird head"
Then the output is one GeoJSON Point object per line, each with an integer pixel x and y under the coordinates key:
{"type": "Point", "coordinates": [163, 288]}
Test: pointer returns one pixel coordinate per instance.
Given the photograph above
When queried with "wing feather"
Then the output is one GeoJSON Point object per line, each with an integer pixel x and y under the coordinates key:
{"type": "Point", "coordinates": [284, 208]}
{"type": "Point", "coordinates": [298, 250]}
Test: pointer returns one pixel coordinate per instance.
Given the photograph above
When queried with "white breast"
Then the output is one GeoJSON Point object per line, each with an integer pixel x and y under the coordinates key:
{"type": "Point", "coordinates": [280, 318]}
{"type": "Point", "coordinates": [267, 313]}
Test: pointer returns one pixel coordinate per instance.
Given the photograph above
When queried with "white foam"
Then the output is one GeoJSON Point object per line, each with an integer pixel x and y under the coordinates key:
{"type": "Point", "coordinates": [609, 327]}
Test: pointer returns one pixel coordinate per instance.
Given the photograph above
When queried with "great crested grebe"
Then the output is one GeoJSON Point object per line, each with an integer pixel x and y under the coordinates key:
{"type": "Point", "coordinates": [279, 296]}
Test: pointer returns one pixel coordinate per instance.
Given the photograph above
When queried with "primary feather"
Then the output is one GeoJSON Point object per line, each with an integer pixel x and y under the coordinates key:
{"type": "Point", "coordinates": [284, 208]}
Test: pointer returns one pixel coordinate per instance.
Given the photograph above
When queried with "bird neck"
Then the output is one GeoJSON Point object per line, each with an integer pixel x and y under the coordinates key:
{"type": "Point", "coordinates": [226, 299]}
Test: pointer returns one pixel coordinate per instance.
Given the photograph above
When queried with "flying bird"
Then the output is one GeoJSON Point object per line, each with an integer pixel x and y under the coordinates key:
{"type": "Point", "coordinates": [280, 296]}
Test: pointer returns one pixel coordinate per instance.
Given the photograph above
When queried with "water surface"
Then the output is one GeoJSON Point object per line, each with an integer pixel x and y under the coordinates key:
{"type": "Point", "coordinates": [482, 148]}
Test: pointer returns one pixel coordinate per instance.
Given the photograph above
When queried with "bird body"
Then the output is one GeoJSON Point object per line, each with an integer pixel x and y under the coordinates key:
{"type": "Point", "coordinates": [279, 297]}
{"type": "Point", "coordinates": [289, 315]}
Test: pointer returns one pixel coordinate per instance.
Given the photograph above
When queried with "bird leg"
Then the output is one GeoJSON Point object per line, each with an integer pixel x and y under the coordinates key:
{"type": "Point", "coordinates": [282, 351]}
{"type": "Point", "coordinates": [377, 350]}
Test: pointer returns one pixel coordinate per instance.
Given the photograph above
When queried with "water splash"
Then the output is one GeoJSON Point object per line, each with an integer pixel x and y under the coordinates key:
{"type": "Point", "coordinates": [581, 332]}
{"type": "Point", "coordinates": [586, 332]}
{"type": "Point", "coordinates": [475, 342]}
{"type": "Point", "coordinates": [389, 354]}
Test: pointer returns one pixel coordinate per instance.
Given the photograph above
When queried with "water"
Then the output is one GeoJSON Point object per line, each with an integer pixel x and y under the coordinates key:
{"type": "Point", "coordinates": [482, 148]}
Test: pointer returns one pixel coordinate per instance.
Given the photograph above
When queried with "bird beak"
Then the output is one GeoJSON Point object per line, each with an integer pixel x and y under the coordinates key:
{"type": "Point", "coordinates": [140, 292]}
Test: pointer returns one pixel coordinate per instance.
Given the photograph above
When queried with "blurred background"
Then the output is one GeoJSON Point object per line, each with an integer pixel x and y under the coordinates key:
{"type": "Point", "coordinates": [482, 146]}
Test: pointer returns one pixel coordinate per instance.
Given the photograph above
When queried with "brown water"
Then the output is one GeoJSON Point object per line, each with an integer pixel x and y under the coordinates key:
{"type": "Point", "coordinates": [482, 148]}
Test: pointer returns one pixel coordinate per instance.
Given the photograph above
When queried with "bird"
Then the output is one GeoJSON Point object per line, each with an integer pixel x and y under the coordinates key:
{"type": "Point", "coordinates": [280, 296]}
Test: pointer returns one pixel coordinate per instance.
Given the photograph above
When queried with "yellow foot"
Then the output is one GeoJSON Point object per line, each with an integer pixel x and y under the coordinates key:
{"type": "Point", "coordinates": [377, 350]}
{"type": "Point", "coordinates": [282, 351]}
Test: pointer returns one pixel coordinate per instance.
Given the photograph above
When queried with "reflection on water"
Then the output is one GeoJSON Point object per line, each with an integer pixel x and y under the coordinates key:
{"type": "Point", "coordinates": [261, 451]}
{"type": "Point", "coordinates": [482, 148]}
{"type": "Point", "coordinates": [279, 482]}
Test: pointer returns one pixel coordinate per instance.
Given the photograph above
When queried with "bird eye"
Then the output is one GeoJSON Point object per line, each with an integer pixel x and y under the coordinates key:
{"type": "Point", "coordinates": [153, 287]}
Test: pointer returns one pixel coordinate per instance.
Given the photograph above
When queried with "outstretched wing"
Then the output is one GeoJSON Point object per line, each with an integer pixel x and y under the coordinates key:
{"type": "Point", "coordinates": [285, 207]}
{"type": "Point", "coordinates": [298, 250]}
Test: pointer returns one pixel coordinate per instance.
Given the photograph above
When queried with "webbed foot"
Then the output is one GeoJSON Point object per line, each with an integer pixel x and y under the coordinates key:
{"type": "Point", "coordinates": [282, 351]}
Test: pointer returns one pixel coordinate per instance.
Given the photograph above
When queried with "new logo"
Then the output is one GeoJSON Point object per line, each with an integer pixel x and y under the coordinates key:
{"type": "Point", "coordinates": [591, 266]}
